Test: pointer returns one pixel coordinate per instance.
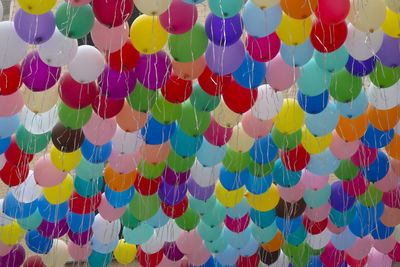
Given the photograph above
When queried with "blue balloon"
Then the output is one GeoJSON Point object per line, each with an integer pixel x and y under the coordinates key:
{"type": "Point", "coordinates": [38, 243]}
{"type": "Point", "coordinates": [344, 240]}
{"type": "Point", "coordinates": [297, 55]}
{"type": "Point", "coordinates": [360, 68]}
{"type": "Point", "coordinates": [381, 231]}
{"type": "Point", "coordinates": [119, 199]}
{"type": "Point", "coordinates": [9, 125]}
{"type": "Point", "coordinates": [250, 248]}
{"type": "Point", "coordinates": [333, 61]}
{"type": "Point", "coordinates": [315, 261]}
{"type": "Point", "coordinates": [88, 171]}
{"type": "Point", "coordinates": [88, 188]}
{"type": "Point", "coordinates": [313, 104]}
{"type": "Point", "coordinates": [283, 176]}
{"type": "Point", "coordinates": [210, 155]}
{"type": "Point", "coordinates": [365, 219]}
{"type": "Point", "coordinates": [4, 144]}
{"type": "Point", "coordinates": [156, 133]}
{"type": "Point", "coordinates": [323, 163]}
{"type": "Point", "coordinates": [158, 220]}
{"type": "Point", "coordinates": [330, 118]}
{"type": "Point", "coordinates": [378, 169]}
{"type": "Point", "coordinates": [239, 210]}
{"type": "Point", "coordinates": [210, 262]}
{"type": "Point", "coordinates": [233, 180]}
{"type": "Point", "coordinates": [97, 259]}
{"type": "Point", "coordinates": [228, 257]}
{"type": "Point", "coordinates": [79, 223]}
{"type": "Point", "coordinates": [138, 235]}
{"type": "Point", "coordinates": [354, 108]}
{"type": "Point", "coordinates": [258, 185]}
{"type": "Point", "coordinates": [261, 22]}
{"type": "Point", "coordinates": [18, 210]}
{"type": "Point", "coordinates": [264, 235]}
{"type": "Point", "coordinates": [287, 226]}
{"type": "Point", "coordinates": [237, 240]}
{"type": "Point", "coordinates": [298, 236]}
{"type": "Point", "coordinates": [185, 145]}
{"type": "Point", "coordinates": [313, 80]}
{"type": "Point", "coordinates": [375, 138]}
{"type": "Point", "coordinates": [250, 73]}
{"type": "Point", "coordinates": [264, 150]}
{"type": "Point", "coordinates": [52, 213]}
{"type": "Point", "coordinates": [262, 219]}
{"type": "Point", "coordinates": [104, 248]}
{"type": "Point", "coordinates": [96, 154]}
{"type": "Point", "coordinates": [341, 219]}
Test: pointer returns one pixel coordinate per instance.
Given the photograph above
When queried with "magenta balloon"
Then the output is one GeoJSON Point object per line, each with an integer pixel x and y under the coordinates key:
{"type": "Point", "coordinates": [224, 60]}
{"type": "Point", "coordinates": [37, 75]}
{"type": "Point", "coordinates": [80, 238]}
{"type": "Point", "coordinates": [265, 48]}
{"type": "Point", "coordinates": [389, 53]}
{"type": "Point", "coordinates": [364, 156]}
{"type": "Point", "coordinates": [198, 192]}
{"type": "Point", "coordinates": [172, 252]}
{"type": "Point", "coordinates": [216, 134]}
{"type": "Point", "coordinates": [14, 258]}
{"type": "Point", "coordinates": [172, 177]}
{"type": "Point", "coordinates": [153, 70]}
{"type": "Point", "coordinates": [222, 31]}
{"type": "Point", "coordinates": [53, 230]}
{"type": "Point", "coordinates": [116, 84]}
{"type": "Point", "coordinates": [237, 225]}
{"type": "Point", "coordinates": [179, 18]}
{"type": "Point", "coordinates": [34, 29]}
{"type": "Point", "coordinates": [356, 186]}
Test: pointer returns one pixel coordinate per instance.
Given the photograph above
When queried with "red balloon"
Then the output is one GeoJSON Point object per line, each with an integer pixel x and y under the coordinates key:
{"type": "Point", "coordinates": [295, 159]}
{"type": "Point", "coordinates": [76, 95]}
{"type": "Point", "coordinates": [15, 155]}
{"type": "Point", "coordinates": [10, 80]}
{"type": "Point", "coordinates": [107, 107]}
{"type": "Point", "coordinates": [355, 262]}
{"type": "Point", "coordinates": [34, 261]}
{"type": "Point", "coordinates": [315, 228]}
{"type": "Point", "coordinates": [175, 211]}
{"type": "Point", "coordinates": [327, 38]}
{"type": "Point", "coordinates": [265, 48]}
{"type": "Point", "coordinates": [147, 187]}
{"type": "Point", "coordinates": [176, 90]}
{"type": "Point", "coordinates": [332, 12]}
{"type": "Point", "coordinates": [212, 83]}
{"type": "Point", "coordinates": [252, 260]}
{"type": "Point", "coordinates": [149, 259]}
{"type": "Point", "coordinates": [395, 253]}
{"type": "Point", "coordinates": [82, 205]}
{"type": "Point", "coordinates": [239, 99]}
{"type": "Point", "coordinates": [13, 175]}
{"type": "Point", "coordinates": [112, 13]}
{"type": "Point", "coordinates": [125, 58]}
{"type": "Point", "coordinates": [332, 256]}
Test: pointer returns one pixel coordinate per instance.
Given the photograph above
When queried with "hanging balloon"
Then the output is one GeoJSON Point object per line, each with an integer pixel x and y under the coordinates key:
{"type": "Point", "coordinates": [290, 118]}
{"type": "Point", "coordinates": [362, 45]}
{"type": "Point", "coordinates": [107, 107]}
{"type": "Point", "coordinates": [212, 83]}
{"type": "Point", "coordinates": [383, 120]}
{"type": "Point", "coordinates": [294, 31]}
{"type": "Point", "coordinates": [383, 76]}
{"type": "Point", "coordinates": [313, 104]}
{"type": "Point", "coordinates": [375, 138]}
{"type": "Point", "coordinates": [360, 68]}
{"type": "Point", "coordinates": [113, 14]}
{"type": "Point", "coordinates": [238, 98]}
{"type": "Point", "coordinates": [74, 21]}
{"type": "Point", "coordinates": [313, 80]}
{"type": "Point", "coordinates": [179, 18]}
{"type": "Point", "coordinates": [388, 54]}
{"type": "Point", "coordinates": [176, 90]}
{"type": "Point", "coordinates": [367, 17]}
{"type": "Point", "coordinates": [202, 101]}
{"type": "Point", "coordinates": [330, 117]}
{"type": "Point", "coordinates": [223, 60]}
{"type": "Point", "coordinates": [153, 70]}
{"type": "Point", "coordinates": [39, 102]}
{"type": "Point", "coordinates": [87, 65]}
{"type": "Point", "coordinates": [116, 85]}
{"type": "Point", "coordinates": [13, 48]}
{"type": "Point", "coordinates": [109, 39]}
{"type": "Point", "coordinates": [330, 13]}
{"type": "Point", "coordinates": [286, 141]}
{"type": "Point", "coordinates": [141, 99]}
{"type": "Point", "coordinates": [193, 122]}
{"type": "Point", "coordinates": [333, 61]}
{"type": "Point", "coordinates": [263, 49]}
{"type": "Point", "coordinates": [10, 80]}
{"type": "Point", "coordinates": [389, 26]}
{"type": "Point", "coordinates": [31, 143]}
{"type": "Point", "coordinates": [189, 70]}
{"type": "Point", "coordinates": [223, 31]}
{"type": "Point", "coordinates": [345, 87]}
{"type": "Point", "coordinates": [152, 7]}
{"type": "Point", "coordinates": [297, 55]}
{"type": "Point", "coordinates": [36, 8]}
{"type": "Point", "coordinates": [125, 58]}
{"type": "Point", "coordinates": [298, 9]}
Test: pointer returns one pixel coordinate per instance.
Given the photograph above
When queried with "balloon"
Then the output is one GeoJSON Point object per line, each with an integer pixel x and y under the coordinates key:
{"type": "Point", "coordinates": [258, 201]}
{"type": "Point", "coordinates": [378, 169]}
{"type": "Point", "coordinates": [40, 123]}
{"type": "Point", "coordinates": [116, 36]}
{"type": "Point", "coordinates": [250, 73]}
{"type": "Point", "coordinates": [10, 125]}
{"type": "Point", "coordinates": [36, 8]}
{"type": "Point", "coordinates": [79, 2]}
{"type": "Point", "coordinates": [74, 21]}
{"type": "Point", "coordinates": [223, 31]}
{"type": "Point", "coordinates": [28, 191]}
{"type": "Point", "coordinates": [107, 107]}
{"type": "Point", "coordinates": [129, 119]}
{"type": "Point", "coordinates": [330, 117]}
{"type": "Point", "coordinates": [298, 9]}
{"type": "Point", "coordinates": [360, 68]}
{"type": "Point", "coordinates": [332, 61]}
{"type": "Point", "coordinates": [313, 104]}
{"type": "Point", "coordinates": [74, 118]}
{"type": "Point", "coordinates": [125, 253]}
{"type": "Point", "coordinates": [206, 150]}
{"type": "Point", "coordinates": [193, 122]}
{"type": "Point", "coordinates": [59, 193]}
{"type": "Point", "coordinates": [228, 198]}
{"type": "Point", "coordinates": [179, 18]}
{"type": "Point", "coordinates": [283, 176]}
{"type": "Point", "coordinates": [176, 90]}
{"type": "Point", "coordinates": [264, 150]}
{"type": "Point", "coordinates": [51, 213]}
{"type": "Point", "coordinates": [13, 175]}
{"type": "Point", "coordinates": [34, 261]}
{"type": "Point", "coordinates": [330, 13]}
{"type": "Point", "coordinates": [15, 257]}
{"type": "Point", "coordinates": [343, 241]}
{"type": "Point", "coordinates": [354, 108]}
{"type": "Point", "coordinates": [4, 144]}
{"type": "Point", "coordinates": [383, 120]}
{"type": "Point", "coordinates": [255, 127]}
{"type": "Point", "coordinates": [297, 55]}
{"type": "Point", "coordinates": [116, 85]}
{"type": "Point", "coordinates": [281, 76]}
{"type": "Point", "coordinates": [44, 169]}
{"type": "Point", "coordinates": [152, 7]}
{"type": "Point", "coordinates": [155, 76]}
{"type": "Point", "coordinates": [87, 58]}
{"type": "Point", "coordinates": [105, 231]}
{"type": "Point", "coordinates": [388, 27]}
{"type": "Point", "coordinates": [383, 76]}
{"type": "Point", "coordinates": [99, 259]}
{"type": "Point", "coordinates": [323, 163]}
{"type": "Point", "coordinates": [139, 201]}
{"type": "Point", "coordinates": [345, 87]}
{"type": "Point", "coordinates": [58, 254]}
{"type": "Point", "coordinates": [375, 138]}
{"type": "Point", "coordinates": [79, 253]}
{"type": "Point", "coordinates": [388, 54]}
{"type": "Point", "coordinates": [125, 58]}
{"type": "Point", "coordinates": [31, 143]}
{"type": "Point", "coordinates": [286, 141]}
{"type": "Point", "coordinates": [367, 17]}
{"type": "Point", "coordinates": [290, 117]}
{"type": "Point", "coordinates": [295, 159]}
{"type": "Point", "coordinates": [342, 149]}
{"type": "Point", "coordinates": [225, 9]}
{"type": "Point", "coordinates": [202, 101]}
{"type": "Point", "coordinates": [37, 101]}
{"type": "Point", "coordinates": [361, 45]}
{"type": "Point", "coordinates": [113, 14]}
{"type": "Point", "coordinates": [294, 31]}
{"type": "Point", "coordinates": [263, 49]}
{"type": "Point", "coordinates": [261, 22]}
{"type": "Point", "coordinates": [223, 60]}
{"type": "Point", "coordinates": [12, 47]}
{"type": "Point", "coordinates": [328, 37]}
{"type": "Point", "coordinates": [10, 80]}
{"type": "Point", "coordinates": [383, 99]}
{"type": "Point", "coordinates": [313, 80]}
{"type": "Point", "coordinates": [38, 243]}
{"type": "Point", "coordinates": [213, 83]}
{"type": "Point", "coordinates": [189, 70]}
{"type": "Point", "coordinates": [65, 161]}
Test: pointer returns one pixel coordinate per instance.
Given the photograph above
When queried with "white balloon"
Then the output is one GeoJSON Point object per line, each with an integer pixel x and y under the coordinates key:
{"type": "Point", "coordinates": [127, 142]}
{"type": "Point", "coordinates": [205, 176]}
{"type": "Point", "coordinates": [363, 45]}
{"type": "Point", "coordinates": [39, 123]}
{"type": "Point", "coordinates": [320, 240]}
{"type": "Point", "coordinates": [367, 16]}
{"type": "Point", "coordinates": [384, 99]}
{"type": "Point", "coordinates": [268, 103]}
{"type": "Point", "coordinates": [4, 219]}
{"type": "Point", "coordinates": [28, 191]}
{"type": "Point", "coordinates": [59, 50]}
{"type": "Point", "coordinates": [169, 232]}
{"type": "Point", "coordinates": [105, 231]}
{"type": "Point", "coordinates": [2, 161]}
{"type": "Point", "coordinates": [152, 7]}
{"type": "Point", "coordinates": [87, 64]}
{"type": "Point", "coordinates": [1, 11]}
{"type": "Point", "coordinates": [153, 245]}
{"type": "Point", "coordinates": [58, 254]}
{"type": "Point", "coordinates": [12, 47]}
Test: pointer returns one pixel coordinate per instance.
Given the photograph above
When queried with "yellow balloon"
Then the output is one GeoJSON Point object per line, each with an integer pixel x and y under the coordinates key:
{"type": "Point", "coordinates": [265, 3]}
{"type": "Point", "coordinates": [240, 141]}
{"type": "Point", "coordinates": [147, 34]}
{"type": "Point", "coordinates": [228, 198]}
{"type": "Point", "coordinates": [367, 16]}
{"type": "Point", "coordinates": [37, 7]}
{"type": "Point", "coordinates": [391, 25]}
{"type": "Point", "coordinates": [125, 253]}
{"type": "Point", "coordinates": [152, 7]}
{"type": "Point", "coordinates": [264, 202]}
{"type": "Point", "coordinates": [290, 118]}
{"type": "Point", "coordinates": [40, 102]}
{"type": "Point", "coordinates": [11, 234]}
{"type": "Point", "coordinates": [225, 117]}
{"type": "Point", "coordinates": [294, 31]}
{"type": "Point", "coordinates": [65, 161]}
{"type": "Point", "coordinates": [61, 192]}
{"type": "Point", "coordinates": [315, 144]}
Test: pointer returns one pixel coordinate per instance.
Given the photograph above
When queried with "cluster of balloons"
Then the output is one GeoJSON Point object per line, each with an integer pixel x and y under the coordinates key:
{"type": "Point", "coordinates": [172, 141]}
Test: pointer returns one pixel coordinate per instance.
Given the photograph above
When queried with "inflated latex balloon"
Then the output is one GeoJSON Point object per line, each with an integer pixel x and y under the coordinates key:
{"type": "Point", "coordinates": [125, 58]}
{"type": "Point", "coordinates": [44, 168]}
{"type": "Point", "coordinates": [152, 7]}
{"type": "Point", "coordinates": [179, 18]}
{"type": "Point", "coordinates": [74, 118]}
{"type": "Point", "coordinates": [77, 252]}
{"type": "Point", "coordinates": [225, 8]}
{"type": "Point", "coordinates": [223, 60]}
{"type": "Point", "coordinates": [294, 31]}
{"type": "Point", "coordinates": [263, 49]}
{"type": "Point", "coordinates": [239, 99]}
{"type": "Point", "coordinates": [360, 68]}
{"type": "Point", "coordinates": [59, 193]}
{"type": "Point", "coordinates": [297, 55]}
{"type": "Point", "coordinates": [109, 39]}
{"type": "Point", "coordinates": [361, 45]}
{"type": "Point", "coordinates": [389, 26]}
{"type": "Point", "coordinates": [223, 31]}
{"type": "Point", "coordinates": [87, 64]}
{"type": "Point", "coordinates": [367, 17]}
{"type": "Point", "coordinates": [12, 47]}
{"type": "Point", "coordinates": [281, 76]}
{"type": "Point", "coordinates": [105, 231]}
{"type": "Point", "coordinates": [74, 21]}
{"type": "Point", "coordinates": [125, 253]}
{"type": "Point", "coordinates": [354, 108]}
{"type": "Point", "coordinates": [40, 101]}
{"type": "Point", "coordinates": [268, 103]}
{"type": "Point", "coordinates": [333, 61]}
{"type": "Point", "coordinates": [189, 70]}
{"type": "Point", "coordinates": [388, 54]}
{"type": "Point", "coordinates": [266, 201]}
{"type": "Point", "coordinates": [345, 87]}
{"type": "Point", "coordinates": [290, 118]}
{"type": "Point", "coordinates": [10, 80]}
{"type": "Point", "coordinates": [261, 22]}
{"type": "Point", "coordinates": [112, 13]}
{"type": "Point", "coordinates": [65, 161]}
{"type": "Point", "coordinates": [327, 38]}
{"type": "Point", "coordinates": [313, 80]}
{"type": "Point", "coordinates": [383, 99]}
{"type": "Point", "coordinates": [299, 9]}
{"type": "Point", "coordinates": [330, 117]}
{"type": "Point", "coordinates": [74, 94]}
{"type": "Point", "coordinates": [58, 254]}
{"type": "Point", "coordinates": [383, 120]}
{"type": "Point", "coordinates": [38, 123]}
{"type": "Point", "coordinates": [332, 13]}
{"type": "Point", "coordinates": [383, 76]}
{"type": "Point", "coordinates": [115, 84]}
{"type": "Point", "coordinates": [31, 143]}
{"type": "Point", "coordinates": [37, 7]}
{"type": "Point", "coordinates": [152, 73]}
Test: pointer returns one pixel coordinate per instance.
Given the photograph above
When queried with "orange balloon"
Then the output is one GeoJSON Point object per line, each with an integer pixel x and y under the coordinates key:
{"type": "Point", "coordinates": [155, 153]}
{"type": "Point", "coordinates": [275, 244]}
{"type": "Point", "coordinates": [383, 120]}
{"type": "Point", "coordinates": [118, 181]}
{"type": "Point", "coordinates": [189, 70]}
{"type": "Point", "coordinates": [131, 120]}
{"type": "Point", "coordinates": [393, 149]}
{"type": "Point", "coordinates": [391, 216]}
{"type": "Point", "coordinates": [299, 9]}
{"type": "Point", "coordinates": [352, 129]}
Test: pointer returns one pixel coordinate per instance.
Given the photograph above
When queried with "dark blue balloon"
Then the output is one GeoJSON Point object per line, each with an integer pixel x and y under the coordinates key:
{"type": "Point", "coordinates": [79, 223]}
{"type": "Point", "coordinates": [360, 68]}
{"type": "Point", "coordinates": [378, 169]}
{"type": "Point", "coordinates": [185, 145]}
{"type": "Point", "coordinates": [313, 104]}
{"type": "Point", "coordinates": [18, 210]}
{"type": "Point", "coordinates": [38, 243]}
{"type": "Point", "coordinates": [381, 231]}
{"type": "Point", "coordinates": [262, 219]}
{"type": "Point", "coordinates": [96, 154]}
{"type": "Point", "coordinates": [233, 180]}
{"type": "Point", "coordinates": [88, 188]}
{"type": "Point", "coordinates": [52, 213]}
{"type": "Point", "coordinates": [155, 133]}
{"type": "Point", "coordinates": [315, 261]}
{"type": "Point", "coordinates": [283, 176]}
{"type": "Point", "coordinates": [4, 144]}
{"type": "Point", "coordinates": [375, 138]}
{"type": "Point", "coordinates": [288, 226]}
{"type": "Point", "coordinates": [223, 31]}
{"type": "Point", "coordinates": [119, 199]}
{"type": "Point", "coordinates": [250, 73]}
{"type": "Point", "coordinates": [258, 185]}
{"type": "Point", "coordinates": [339, 199]}
{"type": "Point", "coordinates": [264, 150]}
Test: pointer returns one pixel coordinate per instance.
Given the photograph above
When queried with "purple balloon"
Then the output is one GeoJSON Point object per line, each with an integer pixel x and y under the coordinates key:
{"type": "Point", "coordinates": [37, 75]}
{"type": "Point", "coordinates": [223, 60]}
{"type": "Point", "coordinates": [172, 194]}
{"type": "Point", "coordinates": [153, 70]}
{"type": "Point", "coordinates": [14, 258]}
{"type": "Point", "coordinates": [339, 198]}
{"type": "Point", "coordinates": [115, 84]}
{"type": "Point", "coordinates": [53, 230]}
{"type": "Point", "coordinates": [34, 29]}
{"type": "Point", "coordinates": [198, 192]}
{"type": "Point", "coordinates": [80, 239]}
{"type": "Point", "coordinates": [360, 68]}
{"type": "Point", "coordinates": [172, 252]}
{"type": "Point", "coordinates": [224, 31]}
{"type": "Point", "coordinates": [172, 177]}
{"type": "Point", "coordinates": [389, 53]}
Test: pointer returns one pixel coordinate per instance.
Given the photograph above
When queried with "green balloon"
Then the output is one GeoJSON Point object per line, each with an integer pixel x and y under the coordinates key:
{"type": "Point", "coordinates": [383, 76]}
{"type": "Point", "coordinates": [298, 255]}
{"type": "Point", "coordinates": [235, 161]}
{"type": "Point", "coordinates": [345, 87]}
{"type": "Point", "coordinates": [189, 46]}
{"type": "Point", "coordinates": [208, 233]}
{"type": "Point", "coordinates": [144, 207]}
{"type": "Point", "coordinates": [189, 220]}
{"type": "Point", "coordinates": [347, 170]}
{"type": "Point", "coordinates": [31, 143]}
{"type": "Point", "coordinates": [178, 163]}
{"type": "Point", "coordinates": [225, 8]}
{"type": "Point", "coordinates": [32, 222]}
{"type": "Point", "coordinates": [74, 21]}
{"type": "Point", "coordinates": [164, 111]}
{"type": "Point", "coordinates": [141, 98]}
{"type": "Point", "coordinates": [260, 170]}
{"type": "Point", "coordinates": [74, 118]}
{"type": "Point", "coordinates": [149, 170]}
{"type": "Point", "coordinates": [286, 141]}
{"type": "Point", "coordinates": [371, 197]}
{"type": "Point", "coordinates": [203, 101]}
{"type": "Point", "coordinates": [193, 122]}
{"type": "Point", "coordinates": [215, 216]}
{"type": "Point", "coordinates": [128, 220]}
{"type": "Point", "coordinates": [200, 206]}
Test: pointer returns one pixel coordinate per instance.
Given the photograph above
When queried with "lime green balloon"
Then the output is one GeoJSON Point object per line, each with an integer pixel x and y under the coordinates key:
{"type": "Point", "coordinates": [164, 111]}
{"type": "Point", "coordinates": [193, 122]}
{"type": "Point", "coordinates": [298, 255]}
{"type": "Point", "coordinates": [128, 220]}
{"type": "Point", "coordinates": [144, 207]}
{"type": "Point", "coordinates": [189, 46]}
{"type": "Point", "coordinates": [203, 101]}
{"type": "Point", "coordinates": [31, 143]}
{"type": "Point", "coordinates": [260, 170]}
{"type": "Point", "coordinates": [383, 76]}
{"type": "Point", "coordinates": [74, 118]}
{"type": "Point", "coordinates": [32, 222]}
{"type": "Point", "coordinates": [149, 170]}
{"type": "Point", "coordinates": [225, 8]}
{"type": "Point", "coordinates": [371, 197]}
{"type": "Point", "coordinates": [178, 163]}
{"type": "Point", "coordinates": [347, 170]}
{"type": "Point", "coordinates": [286, 141]}
{"type": "Point", "coordinates": [141, 98]}
{"type": "Point", "coordinates": [74, 21]}
{"type": "Point", "coordinates": [235, 161]}
{"type": "Point", "coordinates": [189, 220]}
{"type": "Point", "coordinates": [200, 206]}
{"type": "Point", "coordinates": [345, 87]}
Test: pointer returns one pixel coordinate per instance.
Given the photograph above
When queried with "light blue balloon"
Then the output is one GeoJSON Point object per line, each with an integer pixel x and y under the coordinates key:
{"type": "Point", "coordinates": [334, 61]}
{"type": "Point", "coordinates": [344, 240]}
{"type": "Point", "coordinates": [354, 108]}
{"type": "Point", "coordinates": [119, 199]}
{"type": "Point", "coordinates": [158, 220]}
{"type": "Point", "coordinates": [250, 248]}
{"type": "Point", "coordinates": [317, 198]}
{"type": "Point", "coordinates": [323, 123]}
{"type": "Point", "coordinates": [239, 210]}
{"type": "Point", "coordinates": [32, 222]}
{"type": "Point", "coordinates": [185, 145]}
{"type": "Point", "coordinates": [313, 80]}
{"type": "Point", "coordinates": [210, 155]}
{"type": "Point", "coordinates": [264, 235]}
{"type": "Point", "coordinates": [88, 188]}
{"type": "Point", "coordinates": [323, 163]}
{"type": "Point", "coordinates": [217, 245]}
{"type": "Point", "coordinates": [200, 206]}
{"type": "Point", "coordinates": [225, 8]}
{"type": "Point", "coordinates": [237, 240]}
{"type": "Point", "coordinates": [104, 248]}
{"type": "Point", "coordinates": [97, 259]}
{"type": "Point", "coordinates": [208, 233]}
{"type": "Point", "coordinates": [298, 236]}
{"type": "Point", "coordinates": [87, 170]}
{"type": "Point", "coordinates": [9, 125]}
{"type": "Point", "coordinates": [138, 235]}
{"type": "Point", "coordinates": [215, 216]}
{"type": "Point", "coordinates": [297, 55]}
{"type": "Point", "coordinates": [228, 257]}
{"type": "Point", "coordinates": [261, 22]}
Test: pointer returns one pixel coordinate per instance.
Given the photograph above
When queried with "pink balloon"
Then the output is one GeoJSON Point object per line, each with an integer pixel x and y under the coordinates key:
{"type": "Point", "coordinates": [395, 165]}
{"type": "Point", "coordinates": [179, 18]}
{"type": "Point", "coordinates": [313, 181]}
{"type": "Point", "coordinates": [376, 258]}
{"type": "Point", "coordinates": [388, 183]}
{"type": "Point", "coordinates": [361, 247]}
{"type": "Point", "coordinates": [216, 134]}
{"type": "Point", "coordinates": [107, 211]}
{"type": "Point", "coordinates": [79, 253]}
{"type": "Point", "coordinates": [11, 104]}
{"type": "Point", "coordinates": [280, 76]}
{"type": "Point", "coordinates": [255, 127]}
{"type": "Point", "coordinates": [189, 242]}
{"type": "Point", "coordinates": [342, 149]}
{"type": "Point", "coordinates": [109, 39]}
{"type": "Point", "coordinates": [385, 245]}
{"type": "Point", "coordinates": [78, 2]}
{"type": "Point", "coordinates": [318, 214]}
{"type": "Point", "coordinates": [4, 249]}
{"type": "Point", "coordinates": [334, 229]}
{"type": "Point", "coordinates": [155, 153]}
{"type": "Point", "coordinates": [46, 174]}
{"type": "Point", "coordinates": [292, 194]}
{"type": "Point", "coordinates": [357, 186]}
{"type": "Point", "coordinates": [165, 262]}
{"type": "Point", "coordinates": [364, 156]}
{"type": "Point", "coordinates": [98, 130]}
{"type": "Point", "coordinates": [123, 163]}
{"type": "Point", "coordinates": [199, 256]}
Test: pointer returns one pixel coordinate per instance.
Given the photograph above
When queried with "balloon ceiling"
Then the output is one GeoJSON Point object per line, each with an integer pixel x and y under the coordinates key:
{"type": "Point", "coordinates": [265, 135]}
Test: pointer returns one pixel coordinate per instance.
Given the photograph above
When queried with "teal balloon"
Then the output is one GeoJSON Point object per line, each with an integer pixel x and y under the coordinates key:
{"type": "Point", "coordinates": [323, 163]}
{"type": "Point", "coordinates": [239, 210]}
{"type": "Point", "coordinates": [139, 234]}
{"type": "Point", "coordinates": [88, 188]}
{"type": "Point", "coordinates": [158, 220]}
{"type": "Point", "coordinates": [215, 216]}
{"type": "Point", "coordinates": [88, 171]}
{"type": "Point", "coordinates": [313, 80]}
{"type": "Point", "coordinates": [317, 198]}
{"type": "Point", "coordinates": [217, 245]}
{"type": "Point", "coordinates": [283, 176]}
{"type": "Point", "coordinates": [329, 116]}
{"type": "Point", "coordinates": [298, 236]}
{"type": "Point", "coordinates": [237, 240]}
{"type": "Point", "coordinates": [185, 145]}
{"type": "Point", "coordinates": [97, 259]}
{"type": "Point", "coordinates": [202, 101]}
{"type": "Point", "coordinates": [224, 8]}
{"type": "Point", "coordinates": [297, 55]}
{"type": "Point", "coordinates": [210, 155]}
{"type": "Point", "coordinates": [32, 222]}
{"type": "Point", "coordinates": [262, 219]}
{"type": "Point", "coordinates": [341, 219]}
{"type": "Point", "coordinates": [264, 235]}
{"type": "Point", "coordinates": [332, 62]}
{"type": "Point", "coordinates": [208, 233]}
{"type": "Point", "coordinates": [200, 206]}
{"type": "Point", "coordinates": [354, 108]}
